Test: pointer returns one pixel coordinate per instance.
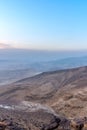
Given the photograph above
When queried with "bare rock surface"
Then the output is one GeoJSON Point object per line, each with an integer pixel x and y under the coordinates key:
{"type": "Point", "coordinates": [19, 120]}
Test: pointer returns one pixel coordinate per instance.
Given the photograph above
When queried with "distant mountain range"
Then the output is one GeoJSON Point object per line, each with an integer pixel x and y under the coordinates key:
{"type": "Point", "coordinates": [11, 71]}
{"type": "Point", "coordinates": [65, 63]}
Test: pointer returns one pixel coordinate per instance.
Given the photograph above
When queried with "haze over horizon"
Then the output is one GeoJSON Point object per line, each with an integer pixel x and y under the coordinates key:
{"type": "Point", "coordinates": [43, 24]}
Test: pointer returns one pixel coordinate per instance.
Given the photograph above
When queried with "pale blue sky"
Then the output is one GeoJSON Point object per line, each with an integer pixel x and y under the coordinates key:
{"type": "Point", "coordinates": [44, 24]}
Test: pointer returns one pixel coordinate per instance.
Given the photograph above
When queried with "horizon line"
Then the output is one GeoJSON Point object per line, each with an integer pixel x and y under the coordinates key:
{"type": "Point", "coordinates": [48, 50]}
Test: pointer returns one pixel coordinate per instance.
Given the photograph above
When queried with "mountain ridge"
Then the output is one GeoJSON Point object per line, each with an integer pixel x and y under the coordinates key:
{"type": "Point", "coordinates": [57, 89]}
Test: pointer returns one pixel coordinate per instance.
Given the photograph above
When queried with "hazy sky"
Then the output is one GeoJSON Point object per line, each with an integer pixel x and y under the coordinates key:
{"type": "Point", "coordinates": [43, 24]}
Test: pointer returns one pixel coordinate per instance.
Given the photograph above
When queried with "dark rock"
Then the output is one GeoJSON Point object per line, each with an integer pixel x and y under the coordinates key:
{"type": "Point", "coordinates": [77, 124]}
{"type": "Point", "coordinates": [53, 124]}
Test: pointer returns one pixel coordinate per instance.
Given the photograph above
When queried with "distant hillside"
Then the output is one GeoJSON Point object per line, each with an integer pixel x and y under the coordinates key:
{"type": "Point", "coordinates": [13, 70]}
{"type": "Point", "coordinates": [10, 76]}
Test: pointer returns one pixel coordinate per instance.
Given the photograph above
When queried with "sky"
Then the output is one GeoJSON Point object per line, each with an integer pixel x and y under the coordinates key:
{"type": "Point", "coordinates": [43, 24]}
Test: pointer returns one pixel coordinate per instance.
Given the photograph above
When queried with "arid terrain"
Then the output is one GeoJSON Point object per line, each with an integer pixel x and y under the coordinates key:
{"type": "Point", "coordinates": [48, 101]}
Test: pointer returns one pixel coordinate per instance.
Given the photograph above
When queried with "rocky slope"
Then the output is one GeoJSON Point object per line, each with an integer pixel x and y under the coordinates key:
{"type": "Point", "coordinates": [61, 95]}
{"type": "Point", "coordinates": [61, 90]}
{"type": "Point", "coordinates": [40, 120]}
